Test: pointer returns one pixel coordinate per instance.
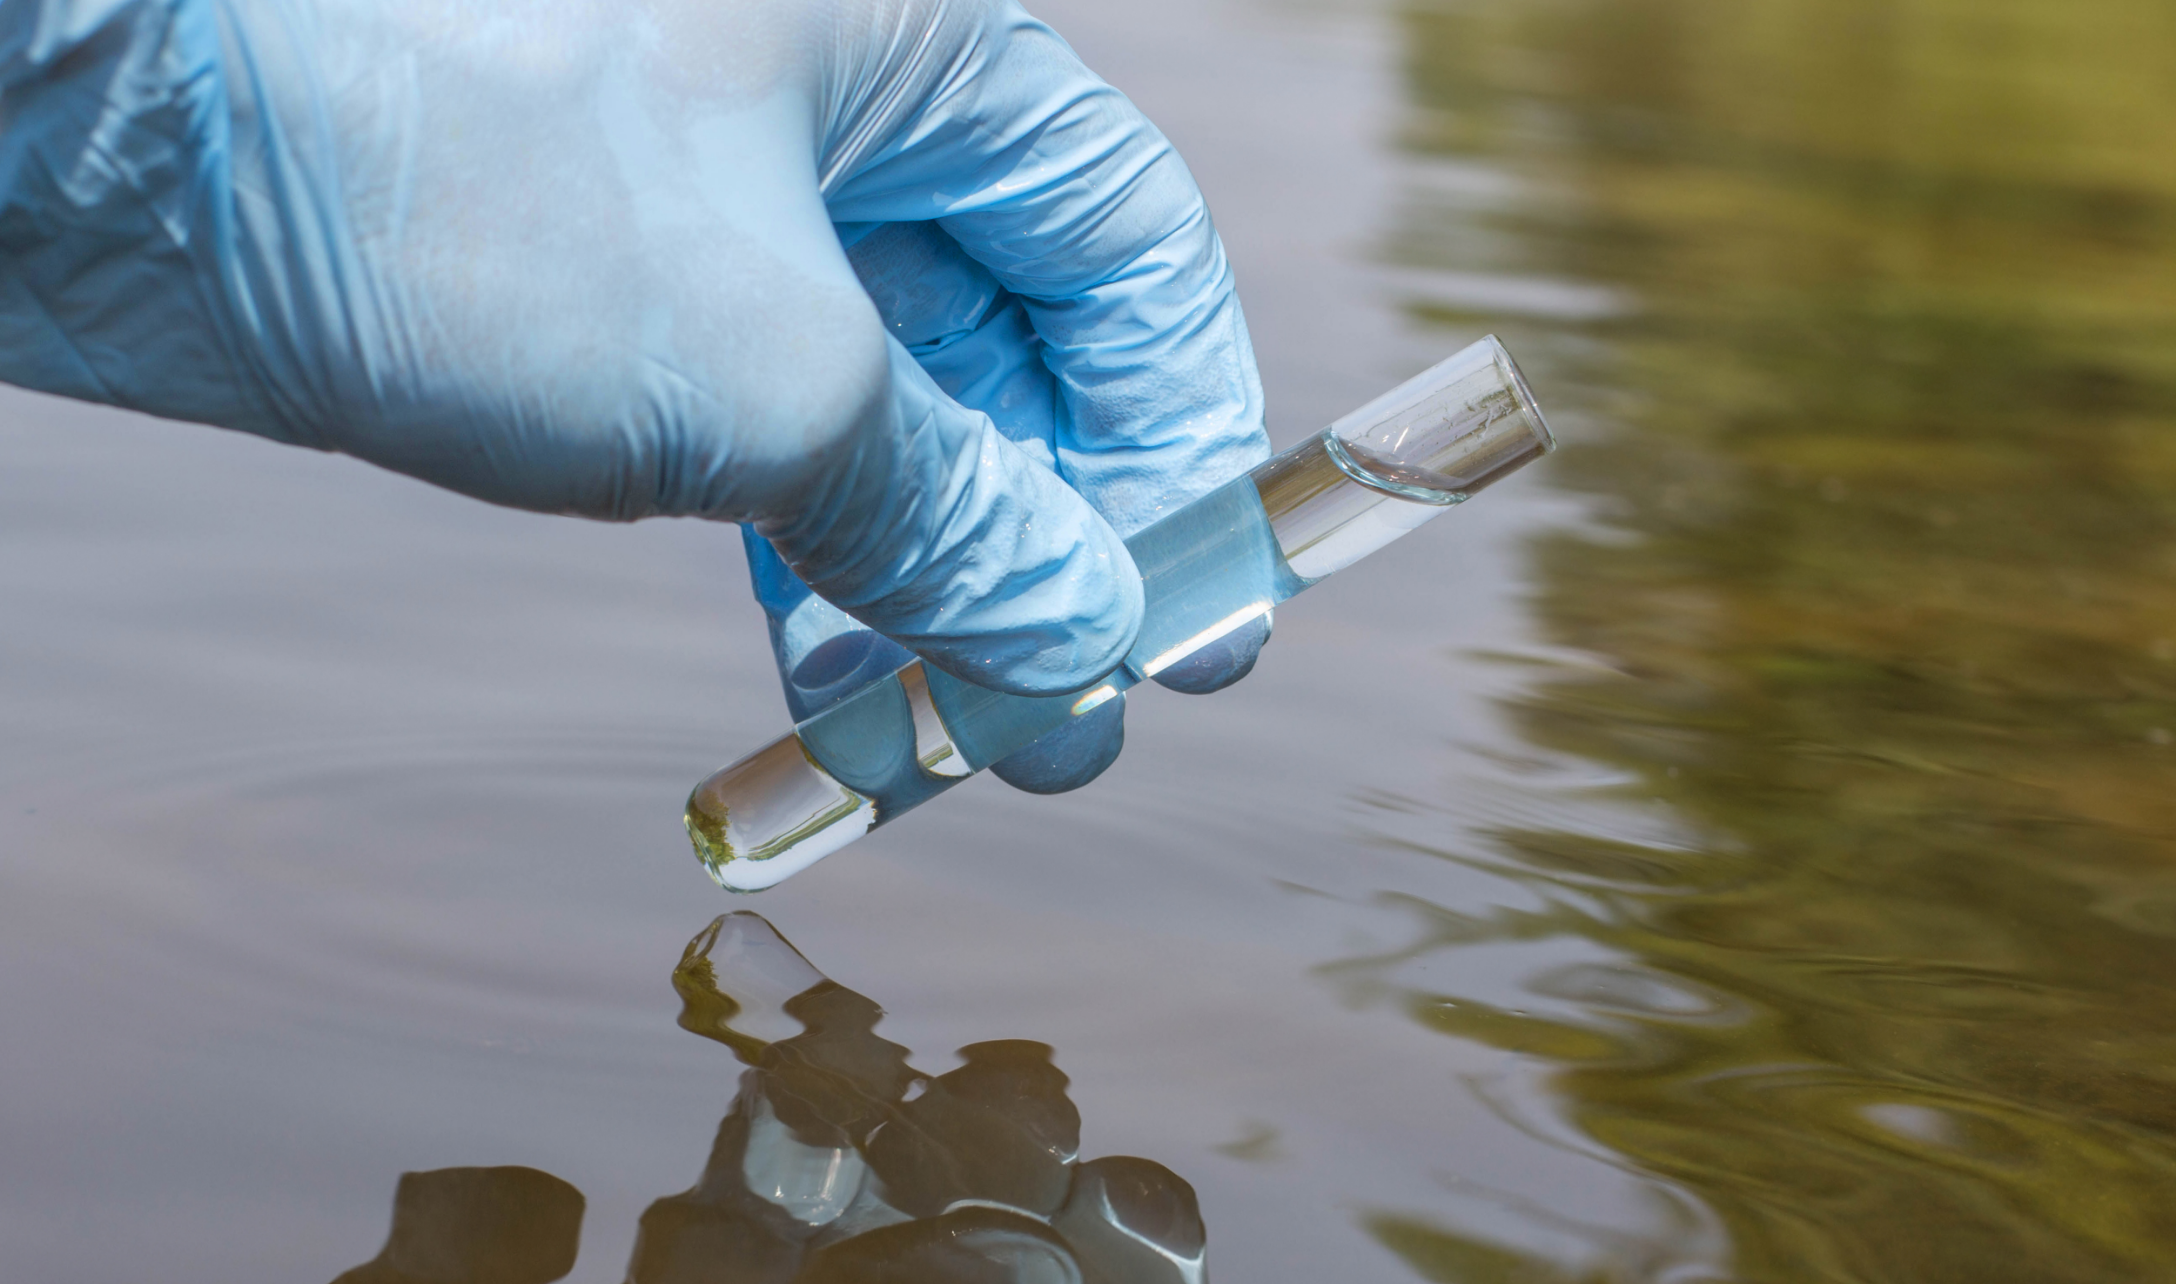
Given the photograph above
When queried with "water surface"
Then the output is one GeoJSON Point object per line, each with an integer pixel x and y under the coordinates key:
{"type": "Point", "coordinates": [1880, 618]}
{"type": "Point", "coordinates": [1739, 848]}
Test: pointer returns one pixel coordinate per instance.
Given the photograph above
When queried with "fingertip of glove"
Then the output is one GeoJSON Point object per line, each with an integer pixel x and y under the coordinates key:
{"type": "Point", "coordinates": [1219, 664]}
{"type": "Point", "coordinates": [1070, 756]}
{"type": "Point", "coordinates": [837, 668]}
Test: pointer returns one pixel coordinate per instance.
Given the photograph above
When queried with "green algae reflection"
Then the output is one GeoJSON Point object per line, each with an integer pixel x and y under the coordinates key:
{"type": "Point", "coordinates": [1884, 428]}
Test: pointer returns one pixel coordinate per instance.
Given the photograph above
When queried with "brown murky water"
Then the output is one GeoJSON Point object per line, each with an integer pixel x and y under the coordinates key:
{"type": "Point", "coordinates": [1882, 616]}
{"type": "Point", "coordinates": [1742, 848]}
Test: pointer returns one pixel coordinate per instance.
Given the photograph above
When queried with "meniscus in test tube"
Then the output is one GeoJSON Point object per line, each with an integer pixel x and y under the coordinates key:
{"type": "Point", "coordinates": [1217, 565]}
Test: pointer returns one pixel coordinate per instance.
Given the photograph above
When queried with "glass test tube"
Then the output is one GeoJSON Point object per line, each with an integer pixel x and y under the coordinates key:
{"type": "Point", "coordinates": [1214, 566]}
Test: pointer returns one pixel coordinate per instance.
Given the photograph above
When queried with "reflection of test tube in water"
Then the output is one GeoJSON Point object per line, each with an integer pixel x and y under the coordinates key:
{"type": "Point", "coordinates": [839, 1163]}
{"type": "Point", "coordinates": [1215, 566]}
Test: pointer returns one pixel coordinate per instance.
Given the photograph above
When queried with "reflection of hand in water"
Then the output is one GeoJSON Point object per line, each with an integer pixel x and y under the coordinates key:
{"type": "Point", "coordinates": [477, 1226]}
{"type": "Point", "coordinates": [839, 1163]}
{"type": "Point", "coordinates": [832, 1167]}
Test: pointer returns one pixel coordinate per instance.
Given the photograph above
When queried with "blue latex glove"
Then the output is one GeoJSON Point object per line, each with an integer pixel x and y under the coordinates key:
{"type": "Point", "coordinates": [978, 341]}
{"type": "Point", "coordinates": [580, 257]}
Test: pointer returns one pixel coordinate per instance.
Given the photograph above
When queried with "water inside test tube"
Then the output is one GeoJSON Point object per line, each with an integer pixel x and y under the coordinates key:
{"type": "Point", "coordinates": [778, 810]}
{"type": "Point", "coordinates": [1329, 504]}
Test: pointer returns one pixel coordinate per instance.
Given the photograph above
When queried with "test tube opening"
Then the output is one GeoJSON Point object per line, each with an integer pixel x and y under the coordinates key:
{"type": "Point", "coordinates": [1446, 433]}
{"type": "Point", "coordinates": [1401, 460]}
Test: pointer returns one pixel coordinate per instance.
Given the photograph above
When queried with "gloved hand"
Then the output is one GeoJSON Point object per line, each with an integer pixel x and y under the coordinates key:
{"type": "Point", "coordinates": [978, 342]}
{"type": "Point", "coordinates": [580, 257]}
